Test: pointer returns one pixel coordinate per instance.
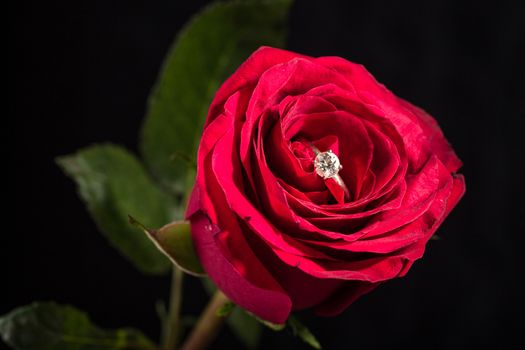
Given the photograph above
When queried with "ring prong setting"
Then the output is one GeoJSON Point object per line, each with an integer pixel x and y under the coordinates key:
{"type": "Point", "coordinates": [327, 164]}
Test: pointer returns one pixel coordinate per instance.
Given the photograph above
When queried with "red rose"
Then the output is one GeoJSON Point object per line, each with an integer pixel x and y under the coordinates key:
{"type": "Point", "coordinates": [273, 234]}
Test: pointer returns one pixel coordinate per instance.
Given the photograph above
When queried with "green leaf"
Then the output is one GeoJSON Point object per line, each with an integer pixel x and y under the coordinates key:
{"type": "Point", "coordinates": [174, 240]}
{"type": "Point", "coordinates": [49, 326]}
{"type": "Point", "coordinates": [113, 184]}
{"type": "Point", "coordinates": [302, 332]}
{"type": "Point", "coordinates": [246, 328]}
{"type": "Point", "coordinates": [206, 51]}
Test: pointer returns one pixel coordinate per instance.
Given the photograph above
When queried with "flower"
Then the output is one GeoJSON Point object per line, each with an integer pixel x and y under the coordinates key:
{"type": "Point", "coordinates": [274, 235]}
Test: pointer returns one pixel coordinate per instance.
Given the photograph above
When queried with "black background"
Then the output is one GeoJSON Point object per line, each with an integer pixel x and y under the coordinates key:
{"type": "Point", "coordinates": [80, 73]}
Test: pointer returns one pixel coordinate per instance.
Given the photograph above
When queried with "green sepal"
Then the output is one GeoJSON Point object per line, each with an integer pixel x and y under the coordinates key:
{"type": "Point", "coordinates": [174, 241]}
{"type": "Point", "coordinates": [273, 326]}
{"type": "Point", "coordinates": [301, 331]}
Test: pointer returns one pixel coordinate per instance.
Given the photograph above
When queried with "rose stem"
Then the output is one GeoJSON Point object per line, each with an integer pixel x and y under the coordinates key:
{"type": "Point", "coordinates": [208, 324]}
{"type": "Point", "coordinates": [173, 323]}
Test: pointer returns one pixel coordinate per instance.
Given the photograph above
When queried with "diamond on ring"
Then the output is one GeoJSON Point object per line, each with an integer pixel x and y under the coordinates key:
{"type": "Point", "coordinates": [327, 164]}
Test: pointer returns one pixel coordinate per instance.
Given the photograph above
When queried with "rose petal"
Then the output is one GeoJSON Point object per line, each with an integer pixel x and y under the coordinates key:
{"type": "Point", "coordinates": [361, 267]}
{"type": "Point", "coordinates": [294, 77]}
{"type": "Point", "coordinates": [247, 75]}
{"type": "Point", "coordinates": [344, 297]}
{"type": "Point", "coordinates": [438, 143]}
{"type": "Point", "coordinates": [293, 280]}
{"type": "Point", "coordinates": [269, 304]}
